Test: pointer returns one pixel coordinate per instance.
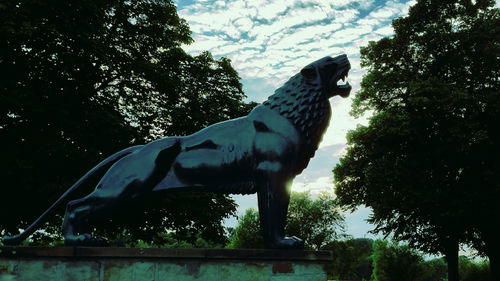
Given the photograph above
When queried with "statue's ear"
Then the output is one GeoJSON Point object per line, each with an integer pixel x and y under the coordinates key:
{"type": "Point", "coordinates": [308, 72]}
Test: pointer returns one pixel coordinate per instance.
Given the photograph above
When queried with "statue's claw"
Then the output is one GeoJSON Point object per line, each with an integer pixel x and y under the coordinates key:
{"type": "Point", "coordinates": [85, 240]}
{"type": "Point", "coordinates": [288, 243]}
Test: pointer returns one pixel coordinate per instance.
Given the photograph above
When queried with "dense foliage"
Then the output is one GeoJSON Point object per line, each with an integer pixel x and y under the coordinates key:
{"type": "Point", "coordinates": [363, 259]}
{"type": "Point", "coordinates": [247, 233]}
{"type": "Point", "coordinates": [317, 221]}
{"type": "Point", "coordinates": [352, 259]}
{"type": "Point", "coordinates": [426, 163]}
{"type": "Point", "coordinates": [392, 262]}
{"type": "Point", "coordinates": [399, 262]}
{"type": "Point", "coordinates": [82, 80]}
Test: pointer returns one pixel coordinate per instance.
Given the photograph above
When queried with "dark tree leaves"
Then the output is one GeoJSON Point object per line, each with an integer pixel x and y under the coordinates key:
{"type": "Point", "coordinates": [82, 80]}
{"type": "Point", "coordinates": [426, 164]}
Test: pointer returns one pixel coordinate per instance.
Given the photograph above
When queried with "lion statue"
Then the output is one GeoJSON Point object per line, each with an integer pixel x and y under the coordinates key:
{"type": "Point", "coordinates": [261, 152]}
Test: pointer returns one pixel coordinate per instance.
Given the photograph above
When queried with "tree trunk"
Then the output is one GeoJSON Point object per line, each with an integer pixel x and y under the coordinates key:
{"type": "Point", "coordinates": [494, 266]}
{"type": "Point", "coordinates": [493, 251]}
{"type": "Point", "coordinates": [451, 254]}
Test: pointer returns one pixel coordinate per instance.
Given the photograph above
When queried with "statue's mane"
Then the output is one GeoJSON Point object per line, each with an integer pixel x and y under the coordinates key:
{"type": "Point", "coordinates": [306, 107]}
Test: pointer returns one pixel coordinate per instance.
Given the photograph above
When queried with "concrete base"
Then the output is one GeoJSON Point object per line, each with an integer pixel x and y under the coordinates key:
{"type": "Point", "coordinates": [136, 264]}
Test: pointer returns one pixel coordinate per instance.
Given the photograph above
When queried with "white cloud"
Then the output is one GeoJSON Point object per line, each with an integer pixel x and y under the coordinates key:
{"type": "Point", "coordinates": [339, 3]}
{"type": "Point", "coordinates": [366, 4]}
{"type": "Point", "coordinates": [384, 13]}
{"type": "Point", "coordinates": [406, 7]}
{"type": "Point", "coordinates": [243, 24]}
{"type": "Point", "coordinates": [348, 35]}
{"type": "Point", "coordinates": [204, 42]}
{"type": "Point", "coordinates": [281, 29]}
{"type": "Point", "coordinates": [363, 41]}
{"type": "Point", "coordinates": [385, 31]}
{"type": "Point", "coordinates": [317, 186]}
{"type": "Point", "coordinates": [269, 10]}
{"type": "Point", "coordinates": [370, 21]}
{"type": "Point", "coordinates": [220, 4]}
{"type": "Point", "coordinates": [344, 16]}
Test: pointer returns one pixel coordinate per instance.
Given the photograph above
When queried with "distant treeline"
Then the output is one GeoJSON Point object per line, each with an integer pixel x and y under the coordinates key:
{"type": "Point", "coordinates": [365, 259]}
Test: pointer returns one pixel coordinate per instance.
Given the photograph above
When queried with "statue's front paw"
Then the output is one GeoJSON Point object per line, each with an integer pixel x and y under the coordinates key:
{"type": "Point", "coordinates": [289, 243]}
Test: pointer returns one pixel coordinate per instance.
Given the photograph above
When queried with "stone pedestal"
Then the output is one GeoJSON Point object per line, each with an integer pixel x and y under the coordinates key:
{"type": "Point", "coordinates": [152, 264]}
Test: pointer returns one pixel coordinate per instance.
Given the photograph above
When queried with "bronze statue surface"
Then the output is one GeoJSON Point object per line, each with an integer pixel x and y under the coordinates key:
{"type": "Point", "coordinates": [261, 152]}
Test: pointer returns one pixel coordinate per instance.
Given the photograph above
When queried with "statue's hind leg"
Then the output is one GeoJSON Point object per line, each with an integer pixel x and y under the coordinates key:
{"type": "Point", "coordinates": [126, 181]}
{"type": "Point", "coordinates": [76, 227]}
{"type": "Point", "coordinates": [100, 204]}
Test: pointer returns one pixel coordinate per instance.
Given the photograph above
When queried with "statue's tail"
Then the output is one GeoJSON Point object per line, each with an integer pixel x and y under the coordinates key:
{"type": "Point", "coordinates": [90, 178]}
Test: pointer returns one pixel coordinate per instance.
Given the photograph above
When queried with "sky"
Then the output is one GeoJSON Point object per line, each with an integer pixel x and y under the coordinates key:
{"type": "Point", "coordinates": [268, 41]}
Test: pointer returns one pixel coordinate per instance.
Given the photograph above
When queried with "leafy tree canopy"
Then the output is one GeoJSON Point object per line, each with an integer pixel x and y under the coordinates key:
{"type": "Point", "coordinates": [316, 220]}
{"type": "Point", "coordinates": [247, 233]}
{"type": "Point", "coordinates": [82, 80]}
{"type": "Point", "coordinates": [426, 163]}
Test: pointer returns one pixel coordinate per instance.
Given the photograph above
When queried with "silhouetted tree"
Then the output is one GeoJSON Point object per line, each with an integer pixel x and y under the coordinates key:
{"type": "Point", "coordinates": [82, 80]}
{"type": "Point", "coordinates": [426, 163]}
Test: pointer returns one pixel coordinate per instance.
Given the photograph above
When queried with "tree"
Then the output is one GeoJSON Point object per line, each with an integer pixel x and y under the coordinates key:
{"type": "Point", "coordinates": [473, 271]}
{"type": "Point", "coordinates": [392, 261]}
{"type": "Point", "coordinates": [84, 80]}
{"type": "Point", "coordinates": [435, 270]}
{"type": "Point", "coordinates": [316, 221]}
{"type": "Point", "coordinates": [352, 259]}
{"type": "Point", "coordinates": [247, 233]}
{"type": "Point", "coordinates": [426, 162]}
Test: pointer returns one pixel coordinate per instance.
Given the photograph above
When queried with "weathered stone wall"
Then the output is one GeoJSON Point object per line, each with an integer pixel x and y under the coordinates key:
{"type": "Point", "coordinates": [133, 264]}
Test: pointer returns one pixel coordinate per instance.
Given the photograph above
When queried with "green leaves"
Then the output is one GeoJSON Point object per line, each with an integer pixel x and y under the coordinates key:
{"type": "Point", "coordinates": [247, 233]}
{"type": "Point", "coordinates": [316, 221]}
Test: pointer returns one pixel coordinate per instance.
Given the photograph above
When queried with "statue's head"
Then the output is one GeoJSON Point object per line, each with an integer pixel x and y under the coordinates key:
{"type": "Point", "coordinates": [328, 72]}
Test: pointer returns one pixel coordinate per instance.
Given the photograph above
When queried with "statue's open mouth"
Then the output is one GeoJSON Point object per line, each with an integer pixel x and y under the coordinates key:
{"type": "Point", "coordinates": [344, 89]}
{"type": "Point", "coordinates": [338, 84]}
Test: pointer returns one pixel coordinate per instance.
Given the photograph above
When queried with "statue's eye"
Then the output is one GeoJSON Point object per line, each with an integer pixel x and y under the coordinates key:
{"type": "Point", "coordinates": [308, 73]}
